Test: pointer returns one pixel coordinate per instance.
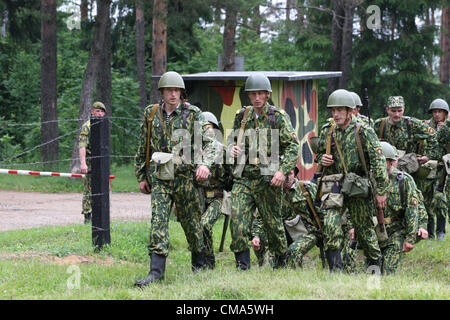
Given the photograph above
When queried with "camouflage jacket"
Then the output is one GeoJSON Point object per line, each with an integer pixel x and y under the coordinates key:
{"type": "Point", "coordinates": [288, 142]}
{"type": "Point", "coordinates": [409, 141]}
{"type": "Point", "coordinates": [443, 138]}
{"type": "Point", "coordinates": [171, 137]}
{"type": "Point", "coordinates": [84, 142]}
{"type": "Point", "coordinates": [365, 119]}
{"type": "Point", "coordinates": [375, 160]}
{"type": "Point", "coordinates": [423, 215]}
{"type": "Point", "coordinates": [405, 216]}
{"type": "Point", "coordinates": [295, 203]}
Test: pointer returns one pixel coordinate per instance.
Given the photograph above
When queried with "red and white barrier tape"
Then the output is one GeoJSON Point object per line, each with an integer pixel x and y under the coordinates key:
{"type": "Point", "coordinates": [46, 173]}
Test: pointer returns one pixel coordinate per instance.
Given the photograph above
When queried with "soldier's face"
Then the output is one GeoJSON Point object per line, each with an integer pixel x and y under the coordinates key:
{"type": "Point", "coordinates": [395, 114]}
{"type": "Point", "coordinates": [258, 99]}
{"type": "Point", "coordinates": [439, 115]}
{"type": "Point", "coordinates": [98, 113]}
{"type": "Point", "coordinates": [172, 96]}
{"type": "Point", "coordinates": [341, 115]}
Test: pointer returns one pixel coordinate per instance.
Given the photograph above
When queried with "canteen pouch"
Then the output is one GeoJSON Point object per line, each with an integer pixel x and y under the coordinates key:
{"type": "Point", "coordinates": [164, 166]}
{"type": "Point", "coordinates": [446, 160]}
{"type": "Point", "coordinates": [428, 170]}
{"type": "Point", "coordinates": [332, 183]}
{"type": "Point", "coordinates": [408, 163]}
{"type": "Point", "coordinates": [226, 203]}
{"type": "Point", "coordinates": [332, 200]}
{"type": "Point", "coordinates": [295, 228]}
{"type": "Point", "coordinates": [382, 236]}
{"type": "Point", "coordinates": [355, 186]}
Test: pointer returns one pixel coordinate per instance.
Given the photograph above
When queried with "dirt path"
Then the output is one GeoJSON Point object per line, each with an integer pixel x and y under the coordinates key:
{"type": "Point", "coordinates": [25, 210]}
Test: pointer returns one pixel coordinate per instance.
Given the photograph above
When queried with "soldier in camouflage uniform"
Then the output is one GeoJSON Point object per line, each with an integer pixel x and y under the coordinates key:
{"type": "Point", "coordinates": [302, 230]}
{"type": "Point", "coordinates": [410, 135]}
{"type": "Point", "coordinates": [84, 149]}
{"type": "Point", "coordinates": [170, 175]}
{"type": "Point", "coordinates": [358, 104]}
{"type": "Point", "coordinates": [401, 213]}
{"type": "Point", "coordinates": [443, 137]}
{"type": "Point", "coordinates": [258, 183]}
{"type": "Point", "coordinates": [439, 110]}
{"type": "Point", "coordinates": [213, 189]}
{"type": "Point", "coordinates": [344, 157]}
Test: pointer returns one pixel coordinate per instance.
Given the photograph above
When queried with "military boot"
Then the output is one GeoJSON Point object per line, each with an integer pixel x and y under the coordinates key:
{"type": "Point", "coordinates": [242, 259]}
{"type": "Point", "coordinates": [334, 260]}
{"type": "Point", "coordinates": [430, 229]}
{"type": "Point", "coordinates": [87, 218]}
{"type": "Point", "coordinates": [210, 261]}
{"type": "Point", "coordinates": [198, 261]}
{"type": "Point", "coordinates": [157, 269]}
{"type": "Point", "coordinates": [440, 228]}
{"type": "Point", "coordinates": [279, 261]}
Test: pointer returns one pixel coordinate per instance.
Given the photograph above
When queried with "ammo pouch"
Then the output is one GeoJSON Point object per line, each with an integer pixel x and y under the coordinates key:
{"type": "Point", "coordinates": [295, 228]}
{"type": "Point", "coordinates": [332, 200]}
{"type": "Point", "coordinates": [164, 165]}
{"type": "Point", "coordinates": [332, 183]}
{"type": "Point", "coordinates": [382, 236]}
{"type": "Point", "coordinates": [446, 160]}
{"type": "Point", "coordinates": [355, 186]}
{"type": "Point", "coordinates": [408, 163]}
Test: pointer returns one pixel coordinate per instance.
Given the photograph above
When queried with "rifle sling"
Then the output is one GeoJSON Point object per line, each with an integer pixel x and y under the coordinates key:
{"type": "Point", "coordinates": [310, 204]}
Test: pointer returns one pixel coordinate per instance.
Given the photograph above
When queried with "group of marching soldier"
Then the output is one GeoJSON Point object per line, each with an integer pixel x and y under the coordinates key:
{"type": "Point", "coordinates": [378, 187]}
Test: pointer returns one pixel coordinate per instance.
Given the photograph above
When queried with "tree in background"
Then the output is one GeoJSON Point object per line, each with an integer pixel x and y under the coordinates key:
{"type": "Point", "coordinates": [444, 71]}
{"type": "Point", "coordinates": [140, 53]}
{"type": "Point", "coordinates": [49, 110]}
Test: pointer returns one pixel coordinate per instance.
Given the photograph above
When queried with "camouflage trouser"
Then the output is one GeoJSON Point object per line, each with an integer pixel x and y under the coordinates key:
{"type": "Point", "coordinates": [186, 197]}
{"type": "Point", "coordinates": [348, 254]}
{"type": "Point", "coordinates": [392, 252]}
{"type": "Point", "coordinates": [246, 196]}
{"type": "Point", "coordinates": [439, 205]}
{"type": "Point", "coordinates": [263, 255]}
{"type": "Point", "coordinates": [86, 204]}
{"type": "Point", "coordinates": [332, 229]}
{"type": "Point", "coordinates": [427, 187]}
{"type": "Point", "coordinates": [300, 247]}
{"type": "Point", "coordinates": [209, 218]}
{"type": "Point", "coordinates": [447, 191]}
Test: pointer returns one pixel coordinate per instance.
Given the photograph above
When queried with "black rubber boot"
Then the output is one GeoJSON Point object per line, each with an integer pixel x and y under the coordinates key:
{"type": "Point", "coordinates": [87, 218]}
{"type": "Point", "coordinates": [210, 261]}
{"type": "Point", "coordinates": [198, 261]}
{"type": "Point", "coordinates": [279, 261]}
{"type": "Point", "coordinates": [430, 229]}
{"type": "Point", "coordinates": [157, 269]}
{"type": "Point", "coordinates": [334, 260]}
{"type": "Point", "coordinates": [440, 228]}
{"type": "Point", "coordinates": [242, 259]}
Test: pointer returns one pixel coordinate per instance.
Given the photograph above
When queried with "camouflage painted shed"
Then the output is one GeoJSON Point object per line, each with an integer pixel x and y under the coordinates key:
{"type": "Point", "coordinates": [222, 93]}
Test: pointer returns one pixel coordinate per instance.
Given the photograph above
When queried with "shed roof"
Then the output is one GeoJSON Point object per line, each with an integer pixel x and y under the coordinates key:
{"type": "Point", "coordinates": [272, 75]}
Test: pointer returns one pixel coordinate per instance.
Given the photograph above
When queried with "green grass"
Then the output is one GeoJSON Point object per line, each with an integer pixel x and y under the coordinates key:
{"type": "Point", "coordinates": [29, 270]}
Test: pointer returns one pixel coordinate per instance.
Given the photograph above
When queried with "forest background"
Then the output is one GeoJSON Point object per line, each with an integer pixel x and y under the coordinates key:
{"type": "Point", "coordinates": [58, 57]}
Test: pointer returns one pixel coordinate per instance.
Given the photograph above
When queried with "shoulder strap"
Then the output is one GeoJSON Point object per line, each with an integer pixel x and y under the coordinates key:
{"type": "Point", "coordinates": [272, 116]}
{"type": "Point", "coordinates": [185, 112]}
{"type": "Point", "coordinates": [243, 122]}
{"type": "Point", "coordinates": [338, 147]}
{"type": "Point", "coordinates": [149, 133]}
{"type": "Point", "coordinates": [381, 129]}
{"type": "Point", "coordinates": [310, 204]}
{"type": "Point", "coordinates": [360, 149]}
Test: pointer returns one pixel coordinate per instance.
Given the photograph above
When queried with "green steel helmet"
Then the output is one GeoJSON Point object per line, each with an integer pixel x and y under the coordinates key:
{"type": "Point", "coordinates": [357, 99]}
{"type": "Point", "coordinates": [171, 79]}
{"type": "Point", "coordinates": [340, 98]}
{"type": "Point", "coordinates": [438, 104]}
{"type": "Point", "coordinates": [210, 117]}
{"type": "Point", "coordinates": [258, 82]}
{"type": "Point", "coordinates": [388, 150]}
{"type": "Point", "coordinates": [395, 101]}
{"type": "Point", "coordinates": [99, 105]}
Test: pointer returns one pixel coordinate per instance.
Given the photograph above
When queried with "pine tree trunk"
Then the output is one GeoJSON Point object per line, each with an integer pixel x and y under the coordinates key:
{"type": "Point", "coordinates": [159, 46]}
{"type": "Point", "coordinates": [90, 74]}
{"type": "Point", "coordinates": [140, 53]}
{"type": "Point", "coordinates": [336, 39]}
{"type": "Point", "coordinates": [346, 50]}
{"type": "Point", "coordinates": [229, 33]}
{"type": "Point", "coordinates": [49, 111]}
{"type": "Point", "coordinates": [444, 73]}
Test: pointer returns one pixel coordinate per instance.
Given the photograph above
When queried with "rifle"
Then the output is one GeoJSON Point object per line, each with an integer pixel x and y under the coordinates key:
{"type": "Point", "coordinates": [224, 232]}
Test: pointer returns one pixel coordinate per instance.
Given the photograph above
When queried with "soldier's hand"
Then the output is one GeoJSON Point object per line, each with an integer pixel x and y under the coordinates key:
{"type": "Point", "coordinates": [352, 234]}
{"type": "Point", "coordinates": [423, 233]}
{"type": "Point", "coordinates": [202, 173]}
{"type": "Point", "coordinates": [278, 179]}
{"type": "Point", "coordinates": [236, 151]}
{"type": "Point", "coordinates": [381, 201]}
{"type": "Point", "coordinates": [83, 168]}
{"type": "Point", "coordinates": [422, 159]}
{"type": "Point", "coordinates": [144, 187]}
{"type": "Point", "coordinates": [327, 160]}
{"type": "Point", "coordinates": [256, 244]}
{"type": "Point", "coordinates": [407, 247]}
